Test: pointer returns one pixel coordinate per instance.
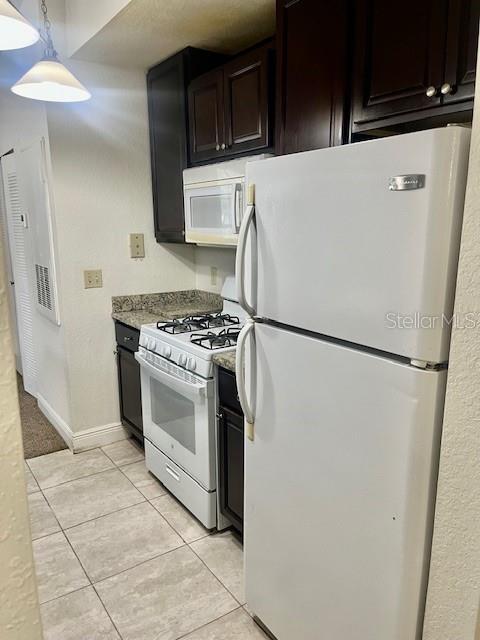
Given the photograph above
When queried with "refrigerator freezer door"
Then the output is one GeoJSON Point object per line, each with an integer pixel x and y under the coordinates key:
{"type": "Point", "coordinates": [340, 485]}
{"type": "Point", "coordinates": [360, 242]}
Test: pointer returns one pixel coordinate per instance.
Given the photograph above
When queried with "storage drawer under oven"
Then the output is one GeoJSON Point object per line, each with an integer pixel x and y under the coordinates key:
{"type": "Point", "coordinates": [202, 503]}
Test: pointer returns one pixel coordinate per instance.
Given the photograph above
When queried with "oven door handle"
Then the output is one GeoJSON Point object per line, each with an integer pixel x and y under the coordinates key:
{"type": "Point", "coordinates": [181, 386]}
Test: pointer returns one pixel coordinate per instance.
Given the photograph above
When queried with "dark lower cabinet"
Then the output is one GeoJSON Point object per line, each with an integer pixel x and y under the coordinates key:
{"type": "Point", "coordinates": [129, 386]}
{"type": "Point", "coordinates": [231, 450]}
{"type": "Point", "coordinates": [168, 117]}
{"type": "Point", "coordinates": [313, 48]}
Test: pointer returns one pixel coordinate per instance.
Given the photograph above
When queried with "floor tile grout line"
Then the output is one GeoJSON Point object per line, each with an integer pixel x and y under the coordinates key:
{"type": "Point", "coordinates": [85, 586]}
{"type": "Point", "coordinates": [144, 499]}
{"type": "Point", "coordinates": [88, 475]}
{"type": "Point", "coordinates": [184, 544]}
{"type": "Point", "coordinates": [125, 463]}
{"type": "Point", "coordinates": [77, 455]}
{"type": "Point", "coordinates": [106, 611]}
{"type": "Point", "coordinates": [109, 513]}
{"type": "Point", "coordinates": [53, 513]}
{"type": "Point", "coordinates": [206, 624]}
{"type": "Point", "coordinates": [216, 577]}
{"type": "Point", "coordinates": [159, 555]}
{"type": "Point", "coordinates": [138, 488]}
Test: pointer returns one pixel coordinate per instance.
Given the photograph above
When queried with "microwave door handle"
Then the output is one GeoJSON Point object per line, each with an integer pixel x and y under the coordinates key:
{"type": "Point", "coordinates": [238, 207]}
{"type": "Point", "coordinates": [181, 386]}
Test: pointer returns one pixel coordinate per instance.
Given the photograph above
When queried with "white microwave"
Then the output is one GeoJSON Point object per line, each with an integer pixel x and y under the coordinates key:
{"type": "Point", "coordinates": [214, 199]}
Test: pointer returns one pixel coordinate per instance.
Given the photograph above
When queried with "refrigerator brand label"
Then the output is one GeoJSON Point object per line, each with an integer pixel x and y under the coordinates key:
{"type": "Point", "coordinates": [407, 183]}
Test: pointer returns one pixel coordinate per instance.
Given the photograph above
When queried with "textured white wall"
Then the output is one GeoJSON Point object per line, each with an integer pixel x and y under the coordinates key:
{"type": "Point", "coordinates": [23, 122]}
{"type": "Point", "coordinates": [102, 190]}
{"type": "Point", "coordinates": [85, 19]}
{"type": "Point", "coordinates": [19, 609]}
{"type": "Point", "coordinates": [205, 258]}
{"type": "Point", "coordinates": [454, 587]}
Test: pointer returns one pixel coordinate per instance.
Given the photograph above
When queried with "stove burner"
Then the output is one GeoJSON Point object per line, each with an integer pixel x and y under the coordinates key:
{"type": "Point", "coordinates": [196, 323]}
{"type": "Point", "coordinates": [226, 338]}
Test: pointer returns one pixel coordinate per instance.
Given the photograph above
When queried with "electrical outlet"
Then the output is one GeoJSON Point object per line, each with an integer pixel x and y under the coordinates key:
{"type": "Point", "coordinates": [213, 275]}
{"type": "Point", "coordinates": [93, 279]}
{"type": "Point", "coordinates": [137, 245]}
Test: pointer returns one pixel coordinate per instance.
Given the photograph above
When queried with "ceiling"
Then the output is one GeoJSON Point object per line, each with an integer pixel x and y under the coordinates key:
{"type": "Point", "coordinates": [148, 31]}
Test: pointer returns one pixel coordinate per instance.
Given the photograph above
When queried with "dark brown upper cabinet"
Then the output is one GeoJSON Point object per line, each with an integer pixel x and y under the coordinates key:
{"type": "Point", "coordinates": [206, 120]}
{"type": "Point", "coordinates": [168, 118]}
{"type": "Point", "coordinates": [229, 108]}
{"type": "Point", "coordinates": [312, 74]}
{"type": "Point", "coordinates": [461, 53]}
{"type": "Point", "coordinates": [413, 63]}
{"type": "Point", "coordinates": [247, 118]}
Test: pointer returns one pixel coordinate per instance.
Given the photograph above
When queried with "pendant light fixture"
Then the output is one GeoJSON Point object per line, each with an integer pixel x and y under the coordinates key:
{"type": "Point", "coordinates": [49, 79]}
{"type": "Point", "coordinates": [16, 31]}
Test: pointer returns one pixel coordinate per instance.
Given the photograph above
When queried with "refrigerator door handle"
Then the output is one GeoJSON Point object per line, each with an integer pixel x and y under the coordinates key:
{"type": "Point", "coordinates": [240, 373]}
{"type": "Point", "coordinates": [240, 260]}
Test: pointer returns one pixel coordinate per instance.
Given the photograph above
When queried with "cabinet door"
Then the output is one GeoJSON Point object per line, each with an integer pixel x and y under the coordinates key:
{"type": "Point", "coordinates": [129, 389]}
{"type": "Point", "coordinates": [206, 123]}
{"type": "Point", "coordinates": [231, 440]}
{"type": "Point", "coordinates": [168, 143]}
{"type": "Point", "coordinates": [462, 44]}
{"type": "Point", "coordinates": [312, 63]}
{"type": "Point", "coordinates": [247, 119]}
{"type": "Point", "coordinates": [399, 54]}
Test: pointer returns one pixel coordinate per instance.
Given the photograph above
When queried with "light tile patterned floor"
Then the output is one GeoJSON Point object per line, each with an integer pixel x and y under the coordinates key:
{"type": "Point", "coordinates": [117, 557]}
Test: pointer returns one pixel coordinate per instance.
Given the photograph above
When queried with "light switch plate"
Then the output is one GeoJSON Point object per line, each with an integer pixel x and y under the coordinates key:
{"type": "Point", "coordinates": [93, 279]}
{"type": "Point", "coordinates": [137, 245]}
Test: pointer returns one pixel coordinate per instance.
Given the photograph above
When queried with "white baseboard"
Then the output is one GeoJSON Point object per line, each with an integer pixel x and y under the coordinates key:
{"type": "Point", "coordinates": [86, 438]}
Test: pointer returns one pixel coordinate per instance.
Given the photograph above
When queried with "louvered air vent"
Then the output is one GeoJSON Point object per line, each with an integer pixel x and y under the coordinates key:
{"type": "Point", "coordinates": [44, 294]}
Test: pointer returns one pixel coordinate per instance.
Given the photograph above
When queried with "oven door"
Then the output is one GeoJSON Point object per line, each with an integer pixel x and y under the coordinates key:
{"type": "Point", "coordinates": [179, 416]}
{"type": "Point", "coordinates": [213, 212]}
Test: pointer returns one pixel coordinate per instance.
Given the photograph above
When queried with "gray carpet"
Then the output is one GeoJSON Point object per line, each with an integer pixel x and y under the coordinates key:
{"type": "Point", "coordinates": [39, 437]}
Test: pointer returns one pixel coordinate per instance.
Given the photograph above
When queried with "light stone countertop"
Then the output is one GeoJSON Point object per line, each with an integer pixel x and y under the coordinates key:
{"type": "Point", "coordinates": [226, 360]}
{"type": "Point", "coordinates": [137, 310]}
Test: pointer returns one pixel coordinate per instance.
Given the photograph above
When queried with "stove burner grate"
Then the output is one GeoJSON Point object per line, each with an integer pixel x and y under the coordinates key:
{"type": "Point", "coordinates": [198, 323]}
{"type": "Point", "coordinates": [226, 338]}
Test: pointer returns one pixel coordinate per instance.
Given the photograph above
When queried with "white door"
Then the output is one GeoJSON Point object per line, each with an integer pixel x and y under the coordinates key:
{"type": "Point", "coordinates": [338, 250]}
{"type": "Point", "coordinates": [21, 251]}
{"type": "Point", "coordinates": [7, 264]}
{"type": "Point", "coordinates": [340, 484]}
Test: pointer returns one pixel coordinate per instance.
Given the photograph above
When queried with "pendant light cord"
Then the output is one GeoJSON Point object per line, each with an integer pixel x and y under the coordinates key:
{"type": "Point", "coordinates": [50, 51]}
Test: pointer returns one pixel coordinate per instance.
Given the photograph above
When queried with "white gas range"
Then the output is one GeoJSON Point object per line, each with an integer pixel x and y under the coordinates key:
{"type": "Point", "coordinates": [178, 401]}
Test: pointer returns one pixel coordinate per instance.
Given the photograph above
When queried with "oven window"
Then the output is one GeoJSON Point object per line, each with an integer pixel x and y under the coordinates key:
{"type": "Point", "coordinates": [173, 413]}
{"type": "Point", "coordinates": [211, 212]}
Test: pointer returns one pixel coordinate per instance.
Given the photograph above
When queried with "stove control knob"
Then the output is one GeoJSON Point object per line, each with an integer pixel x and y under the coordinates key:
{"type": "Point", "coordinates": [152, 344]}
{"type": "Point", "coordinates": [182, 361]}
{"type": "Point", "coordinates": [191, 364]}
{"type": "Point", "coordinates": [143, 341]}
{"type": "Point", "coordinates": [167, 351]}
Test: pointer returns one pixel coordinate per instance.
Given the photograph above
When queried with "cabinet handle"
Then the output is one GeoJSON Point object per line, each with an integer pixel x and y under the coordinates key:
{"type": "Point", "coordinates": [217, 147]}
{"type": "Point", "coordinates": [220, 416]}
{"type": "Point", "coordinates": [446, 88]}
{"type": "Point", "coordinates": [431, 91]}
{"type": "Point", "coordinates": [223, 146]}
{"type": "Point", "coordinates": [127, 339]}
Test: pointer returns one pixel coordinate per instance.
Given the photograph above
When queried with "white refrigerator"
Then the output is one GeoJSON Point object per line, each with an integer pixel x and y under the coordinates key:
{"type": "Point", "coordinates": [347, 265]}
